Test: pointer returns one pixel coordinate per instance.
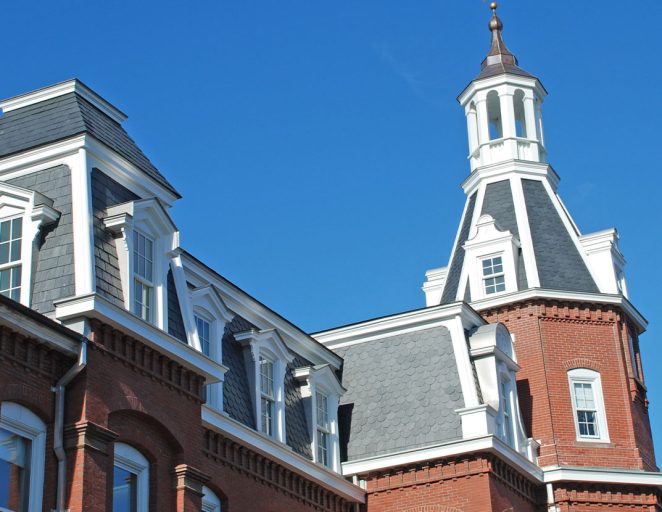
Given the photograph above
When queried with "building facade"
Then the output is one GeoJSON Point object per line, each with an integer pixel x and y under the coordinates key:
{"type": "Point", "coordinates": [135, 378]}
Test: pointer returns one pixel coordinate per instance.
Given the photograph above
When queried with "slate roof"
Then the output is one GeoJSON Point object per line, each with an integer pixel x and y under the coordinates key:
{"type": "Point", "coordinates": [560, 266]}
{"type": "Point", "coordinates": [63, 117]}
{"type": "Point", "coordinates": [455, 269]}
{"type": "Point", "coordinates": [402, 393]}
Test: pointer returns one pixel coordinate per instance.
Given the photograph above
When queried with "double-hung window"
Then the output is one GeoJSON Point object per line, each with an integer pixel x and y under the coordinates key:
{"type": "Point", "coordinates": [507, 427]}
{"type": "Point", "coordinates": [323, 429]}
{"type": "Point", "coordinates": [204, 330]}
{"type": "Point", "coordinates": [267, 397]}
{"type": "Point", "coordinates": [143, 282]}
{"type": "Point", "coordinates": [494, 280]}
{"type": "Point", "coordinates": [588, 406]}
{"type": "Point", "coordinates": [11, 234]}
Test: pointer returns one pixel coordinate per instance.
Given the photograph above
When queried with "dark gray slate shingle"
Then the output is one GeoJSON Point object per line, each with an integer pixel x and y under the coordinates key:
{"type": "Point", "coordinates": [560, 266]}
{"type": "Point", "coordinates": [402, 393]}
{"type": "Point", "coordinates": [107, 192]}
{"type": "Point", "coordinates": [175, 321]}
{"type": "Point", "coordinates": [65, 116]}
{"type": "Point", "coordinates": [295, 415]}
{"type": "Point", "coordinates": [455, 269]}
{"type": "Point", "coordinates": [498, 203]}
{"type": "Point", "coordinates": [54, 269]}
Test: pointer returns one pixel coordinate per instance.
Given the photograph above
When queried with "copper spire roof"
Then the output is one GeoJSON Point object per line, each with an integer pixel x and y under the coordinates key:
{"type": "Point", "coordinates": [499, 59]}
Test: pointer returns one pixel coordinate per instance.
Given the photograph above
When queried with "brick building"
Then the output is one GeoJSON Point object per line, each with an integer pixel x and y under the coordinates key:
{"type": "Point", "coordinates": [136, 378]}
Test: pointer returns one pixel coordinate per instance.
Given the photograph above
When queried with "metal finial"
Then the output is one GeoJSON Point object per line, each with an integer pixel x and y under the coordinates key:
{"type": "Point", "coordinates": [495, 22]}
{"type": "Point", "coordinates": [493, 6]}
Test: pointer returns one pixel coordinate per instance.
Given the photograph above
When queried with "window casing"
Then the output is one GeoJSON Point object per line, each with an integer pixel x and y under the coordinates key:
{"type": "Point", "coordinates": [130, 480]}
{"type": "Point", "coordinates": [507, 431]}
{"type": "Point", "coordinates": [22, 456]}
{"type": "Point", "coordinates": [143, 276]}
{"type": "Point", "coordinates": [494, 280]}
{"type": "Point", "coordinates": [11, 235]}
{"type": "Point", "coordinates": [210, 502]}
{"type": "Point", "coordinates": [267, 397]}
{"type": "Point", "coordinates": [588, 405]}
{"type": "Point", "coordinates": [204, 333]}
{"type": "Point", "coordinates": [323, 428]}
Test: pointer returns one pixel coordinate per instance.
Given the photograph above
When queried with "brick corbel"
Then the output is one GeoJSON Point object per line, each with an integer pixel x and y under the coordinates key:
{"type": "Point", "coordinates": [188, 478]}
{"type": "Point", "coordinates": [86, 434]}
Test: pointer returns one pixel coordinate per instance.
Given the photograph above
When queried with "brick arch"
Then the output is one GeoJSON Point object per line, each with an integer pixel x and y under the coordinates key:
{"type": "Point", "coordinates": [582, 362]}
{"type": "Point", "coordinates": [144, 433]}
{"type": "Point", "coordinates": [432, 508]}
{"type": "Point", "coordinates": [38, 401]}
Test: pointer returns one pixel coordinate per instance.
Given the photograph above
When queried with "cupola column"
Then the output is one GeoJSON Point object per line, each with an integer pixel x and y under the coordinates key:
{"type": "Point", "coordinates": [507, 114]}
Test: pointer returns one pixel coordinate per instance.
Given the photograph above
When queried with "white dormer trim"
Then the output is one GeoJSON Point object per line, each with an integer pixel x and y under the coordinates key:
{"type": "Point", "coordinates": [605, 260]}
{"type": "Point", "coordinates": [67, 87]}
{"type": "Point", "coordinates": [488, 242]}
{"type": "Point", "coordinates": [433, 287]}
{"type": "Point", "coordinates": [314, 380]}
{"type": "Point", "coordinates": [269, 345]}
{"type": "Point", "coordinates": [207, 304]}
{"type": "Point", "coordinates": [35, 211]}
{"type": "Point", "coordinates": [148, 217]}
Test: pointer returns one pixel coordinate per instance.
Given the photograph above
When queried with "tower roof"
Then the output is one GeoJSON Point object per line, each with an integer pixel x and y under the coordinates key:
{"type": "Point", "coordinates": [499, 59]}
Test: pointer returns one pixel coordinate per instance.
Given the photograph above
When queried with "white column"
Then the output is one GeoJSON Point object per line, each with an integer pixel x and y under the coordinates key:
{"type": "Point", "coordinates": [530, 116]}
{"type": "Point", "coordinates": [483, 127]}
{"type": "Point", "coordinates": [507, 115]}
{"type": "Point", "coordinates": [81, 213]}
{"type": "Point", "coordinates": [472, 127]}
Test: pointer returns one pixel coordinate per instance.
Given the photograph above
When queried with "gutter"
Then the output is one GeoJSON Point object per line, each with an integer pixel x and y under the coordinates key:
{"type": "Point", "coordinates": [58, 435]}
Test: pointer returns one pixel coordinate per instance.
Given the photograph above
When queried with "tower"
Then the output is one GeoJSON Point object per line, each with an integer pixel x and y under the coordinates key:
{"type": "Point", "coordinates": [520, 259]}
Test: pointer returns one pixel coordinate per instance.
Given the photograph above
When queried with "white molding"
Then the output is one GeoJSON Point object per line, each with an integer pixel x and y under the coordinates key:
{"type": "Point", "coordinates": [601, 475]}
{"type": "Point", "coordinates": [22, 421]}
{"type": "Point", "coordinates": [95, 306]}
{"type": "Point", "coordinates": [524, 230]}
{"type": "Point", "coordinates": [283, 454]}
{"type": "Point", "coordinates": [131, 460]}
{"type": "Point", "coordinates": [507, 169]}
{"type": "Point", "coordinates": [82, 218]}
{"type": "Point", "coordinates": [541, 293]}
{"type": "Point", "coordinates": [33, 160]}
{"type": "Point", "coordinates": [400, 323]}
{"type": "Point", "coordinates": [490, 82]}
{"type": "Point", "coordinates": [592, 377]}
{"type": "Point", "coordinates": [258, 314]}
{"type": "Point", "coordinates": [60, 89]}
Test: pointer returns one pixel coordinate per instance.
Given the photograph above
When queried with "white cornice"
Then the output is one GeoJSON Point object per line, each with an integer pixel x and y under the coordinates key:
{"type": "Point", "coordinates": [489, 444]}
{"type": "Point", "coordinates": [504, 170]}
{"type": "Point", "coordinates": [601, 475]}
{"type": "Point", "coordinates": [53, 91]}
{"type": "Point", "coordinates": [502, 78]}
{"type": "Point", "coordinates": [95, 306]}
{"type": "Point", "coordinates": [540, 293]}
{"type": "Point", "coordinates": [260, 315]}
{"type": "Point", "coordinates": [283, 454]}
{"type": "Point", "coordinates": [396, 324]}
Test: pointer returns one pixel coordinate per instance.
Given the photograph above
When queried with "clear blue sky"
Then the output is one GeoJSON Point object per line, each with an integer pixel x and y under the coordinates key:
{"type": "Point", "coordinates": [319, 146]}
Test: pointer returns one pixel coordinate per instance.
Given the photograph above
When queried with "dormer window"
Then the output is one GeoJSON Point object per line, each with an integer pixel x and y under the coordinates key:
{"type": "Point", "coordinates": [507, 423]}
{"type": "Point", "coordinates": [494, 280]}
{"type": "Point", "coordinates": [11, 233]}
{"type": "Point", "coordinates": [266, 359]}
{"type": "Point", "coordinates": [323, 428]}
{"type": "Point", "coordinates": [204, 329]}
{"type": "Point", "coordinates": [143, 265]}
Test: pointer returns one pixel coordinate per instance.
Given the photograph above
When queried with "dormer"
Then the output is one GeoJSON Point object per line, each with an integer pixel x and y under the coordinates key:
{"type": "Point", "coordinates": [146, 240]}
{"type": "Point", "coordinates": [490, 261]}
{"type": "Point", "coordinates": [606, 260]}
{"type": "Point", "coordinates": [23, 215]}
{"type": "Point", "coordinates": [266, 358]}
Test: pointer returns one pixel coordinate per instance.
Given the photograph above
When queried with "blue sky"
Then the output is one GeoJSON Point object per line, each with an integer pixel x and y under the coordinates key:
{"type": "Point", "coordinates": [319, 146]}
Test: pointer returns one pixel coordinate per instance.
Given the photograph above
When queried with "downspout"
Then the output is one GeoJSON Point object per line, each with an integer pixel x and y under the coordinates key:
{"type": "Point", "coordinates": [58, 435]}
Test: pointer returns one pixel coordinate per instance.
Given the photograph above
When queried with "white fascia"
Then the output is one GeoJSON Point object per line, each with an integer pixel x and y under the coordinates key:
{"type": "Point", "coordinates": [283, 454]}
{"type": "Point", "coordinates": [401, 323]}
{"type": "Point", "coordinates": [507, 169]}
{"type": "Point", "coordinates": [95, 306]}
{"type": "Point", "coordinates": [258, 314]}
{"type": "Point", "coordinates": [541, 293]}
{"type": "Point", "coordinates": [60, 89]}
{"type": "Point", "coordinates": [488, 444]}
{"type": "Point", "coordinates": [497, 80]}
{"type": "Point", "coordinates": [601, 476]}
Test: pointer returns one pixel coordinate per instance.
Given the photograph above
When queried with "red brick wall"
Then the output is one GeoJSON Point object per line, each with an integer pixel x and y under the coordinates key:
{"type": "Point", "coordinates": [552, 338]}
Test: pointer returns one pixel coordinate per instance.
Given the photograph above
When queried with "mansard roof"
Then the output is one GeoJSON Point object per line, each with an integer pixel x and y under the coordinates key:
{"type": "Point", "coordinates": [60, 117]}
{"type": "Point", "coordinates": [402, 393]}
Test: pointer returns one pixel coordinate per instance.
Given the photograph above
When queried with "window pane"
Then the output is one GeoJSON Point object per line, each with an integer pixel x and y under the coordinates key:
{"type": "Point", "coordinates": [17, 228]}
{"type": "Point", "coordinates": [125, 487]}
{"type": "Point", "coordinates": [267, 416]}
{"type": "Point", "coordinates": [15, 253]}
{"type": "Point", "coordinates": [15, 277]}
{"type": "Point", "coordinates": [14, 471]}
{"type": "Point", "coordinates": [4, 280]}
{"type": "Point", "coordinates": [203, 333]}
{"type": "Point", "coordinates": [4, 253]}
{"type": "Point", "coordinates": [322, 448]}
{"type": "Point", "coordinates": [5, 231]}
{"type": "Point", "coordinates": [322, 411]}
{"type": "Point", "coordinates": [266, 377]}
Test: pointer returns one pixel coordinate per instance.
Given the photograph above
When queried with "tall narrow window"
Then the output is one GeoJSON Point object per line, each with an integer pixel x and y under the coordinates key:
{"type": "Point", "coordinates": [633, 357]}
{"type": "Point", "coordinates": [494, 115]}
{"type": "Point", "coordinates": [323, 429]}
{"type": "Point", "coordinates": [143, 269]}
{"type": "Point", "coordinates": [520, 117]}
{"type": "Point", "coordinates": [493, 276]}
{"type": "Point", "coordinates": [125, 490]}
{"type": "Point", "coordinates": [11, 233]}
{"type": "Point", "coordinates": [267, 396]}
{"type": "Point", "coordinates": [587, 412]}
{"type": "Point", "coordinates": [507, 414]}
{"type": "Point", "coordinates": [130, 480]}
{"type": "Point", "coordinates": [15, 453]}
{"type": "Point", "coordinates": [203, 328]}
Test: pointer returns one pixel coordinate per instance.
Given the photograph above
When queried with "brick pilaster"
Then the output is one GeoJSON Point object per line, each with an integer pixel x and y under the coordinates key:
{"type": "Point", "coordinates": [188, 484]}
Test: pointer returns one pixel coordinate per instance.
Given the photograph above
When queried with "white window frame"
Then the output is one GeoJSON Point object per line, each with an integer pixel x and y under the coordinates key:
{"type": "Point", "coordinates": [148, 217]}
{"type": "Point", "coordinates": [587, 376]}
{"type": "Point", "coordinates": [493, 275]}
{"type": "Point", "coordinates": [269, 345]}
{"type": "Point", "coordinates": [322, 430]}
{"type": "Point", "coordinates": [267, 395]}
{"type": "Point", "coordinates": [21, 421]}
{"type": "Point", "coordinates": [145, 283]}
{"type": "Point", "coordinates": [322, 379]}
{"type": "Point", "coordinates": [210, 502]}
{"type": "Point", "coordinates": [18, 263]}
{"type": "Point", "coordinates": [508, 426]}
{"type": "Point", "coordinates": [131, 460]}
{"type": "Point", "coordinates": [208, 305]}
{"type": "Point", "coordinates": [37, 211]}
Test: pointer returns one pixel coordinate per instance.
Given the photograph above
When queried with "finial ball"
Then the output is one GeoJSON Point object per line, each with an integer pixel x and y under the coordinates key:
{"type": "Point", "coordinates": [493, 6]}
